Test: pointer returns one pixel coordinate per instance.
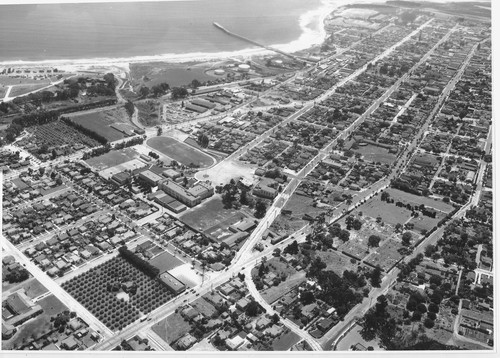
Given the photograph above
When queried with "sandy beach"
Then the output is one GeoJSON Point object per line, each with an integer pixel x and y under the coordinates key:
{"type": "Point", "coordinates": [311, 24]}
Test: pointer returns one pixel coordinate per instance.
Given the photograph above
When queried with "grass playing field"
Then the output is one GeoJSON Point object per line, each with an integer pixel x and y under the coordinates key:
{"type": "Point", "coordinates": [112, 158]}
{"type": "Point", "coordinates": [180, 152]}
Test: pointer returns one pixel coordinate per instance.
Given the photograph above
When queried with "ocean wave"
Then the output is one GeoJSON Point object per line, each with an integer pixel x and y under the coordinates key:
{"type": "Point", "coordinates": [310, 36]}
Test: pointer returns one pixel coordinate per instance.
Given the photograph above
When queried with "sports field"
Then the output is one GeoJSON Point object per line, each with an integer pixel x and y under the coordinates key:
{"type": "Point", "coordinates": [180, 152]}
{"type": "Point", "coordinates": [112, 158]}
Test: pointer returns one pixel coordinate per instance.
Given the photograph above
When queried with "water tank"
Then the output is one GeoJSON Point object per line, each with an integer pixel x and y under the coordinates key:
{"type": "Point", "coordinates": [243, 68]}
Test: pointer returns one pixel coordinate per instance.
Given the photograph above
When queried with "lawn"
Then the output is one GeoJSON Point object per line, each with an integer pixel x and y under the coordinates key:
{"type": "Point", "coordinates": [23, 89]}
{"type": "Point", "coordinates": [208, 214]}
{"type": "Point", "coordinates": [51, 307]}
{"type": "Point", "coordinates": [165, 262]}
{"type": "Point", "coordinates": [96, 123]}
{"type": "Point", "coordinates": [390, 213]}
{"type": "Point", "coordinates": [112, 158]}
{"type": "Point", "coordinates": [286, 341]}
{"type": "Point", "coordinates": [399, 195]}
{"type": "Point", "coordinates": [33, 288]}
{"type": "Point", "coordinates": [180, 152]}
{"type": "Point", "coordinates": [376, 154]}
{"type": "Point", "coordinates": [9, 80]}
{"type": "Point", "coordinates": [204, 307]}
{"type": "Point", "coordinates": [171, 328]}
{"type": "Point", "coordinates": [336, 262]}
{"type": "Point", "coordinates": [425, 223]}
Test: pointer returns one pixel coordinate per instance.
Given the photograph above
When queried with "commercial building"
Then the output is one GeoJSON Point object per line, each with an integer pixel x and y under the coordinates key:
{"type": "Point", "coordinates": [264, 190]}
{"type": "Point", "coordinates": [172, 283]}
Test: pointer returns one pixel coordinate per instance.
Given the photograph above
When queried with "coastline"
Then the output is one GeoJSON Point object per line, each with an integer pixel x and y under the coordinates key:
{"type": "Point", "coordinates": [308, 39]}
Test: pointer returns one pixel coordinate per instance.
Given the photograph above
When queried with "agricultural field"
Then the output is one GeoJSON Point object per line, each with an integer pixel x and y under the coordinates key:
{"type": "Point", "coordinates": [112, 158]}
{"type": "Point", "coordinates": [56, 134]}
{"type": "Point", "coordinates": [180, 152]}
{"type": "Point", "coordinates": [376, 154]}
{"type": "Point", "coordinates": [96, 123]}
{"type": "Point", "coordinates": [115, 307]}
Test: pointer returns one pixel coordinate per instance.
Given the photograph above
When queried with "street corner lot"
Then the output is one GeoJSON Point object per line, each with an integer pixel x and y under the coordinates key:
{"type": "Point", "coordinates": [386, 255]}
{"type": "Point", "coordinates": [180, 152]}
{"type": "Point", "coordinates": [112, 158]}
{"type": "Point", "coordinates": [171, 328]}
{"type": "Point", "coordinates": [36, 326]}
{"type": "Point", "coordinates": [186, 275]}
{"type": "Point", "coordinates": [286, 341]}
{"type": "Point", "coordinates": [165, 262]}
{"type": "Point", "coordinates": [208, 214]}
{"type": "Point", "coordinates": [221, 231]}
{"type": "Point", "coordinates": [354, 337]}
{"type": "Point", "coordinates": [203, 346]}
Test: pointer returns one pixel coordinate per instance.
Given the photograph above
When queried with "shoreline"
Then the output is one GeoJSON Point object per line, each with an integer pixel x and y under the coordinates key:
{"type": "Point", "coordinates": [307, 40]}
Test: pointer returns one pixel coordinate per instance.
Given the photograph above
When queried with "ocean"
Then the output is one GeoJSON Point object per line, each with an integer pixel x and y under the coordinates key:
{"type": "Point", "coordinates": [174, 30]}
{"type": "Point", "coordinates": [136, 30]}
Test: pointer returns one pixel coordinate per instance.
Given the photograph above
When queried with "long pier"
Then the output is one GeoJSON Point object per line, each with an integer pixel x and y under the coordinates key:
{"type": "Point", "coordinates": [296, 58]}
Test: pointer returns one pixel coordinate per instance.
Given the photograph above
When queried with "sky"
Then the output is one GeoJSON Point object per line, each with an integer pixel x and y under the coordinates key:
{"type": "Point", "coordinates": [5, 2]}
